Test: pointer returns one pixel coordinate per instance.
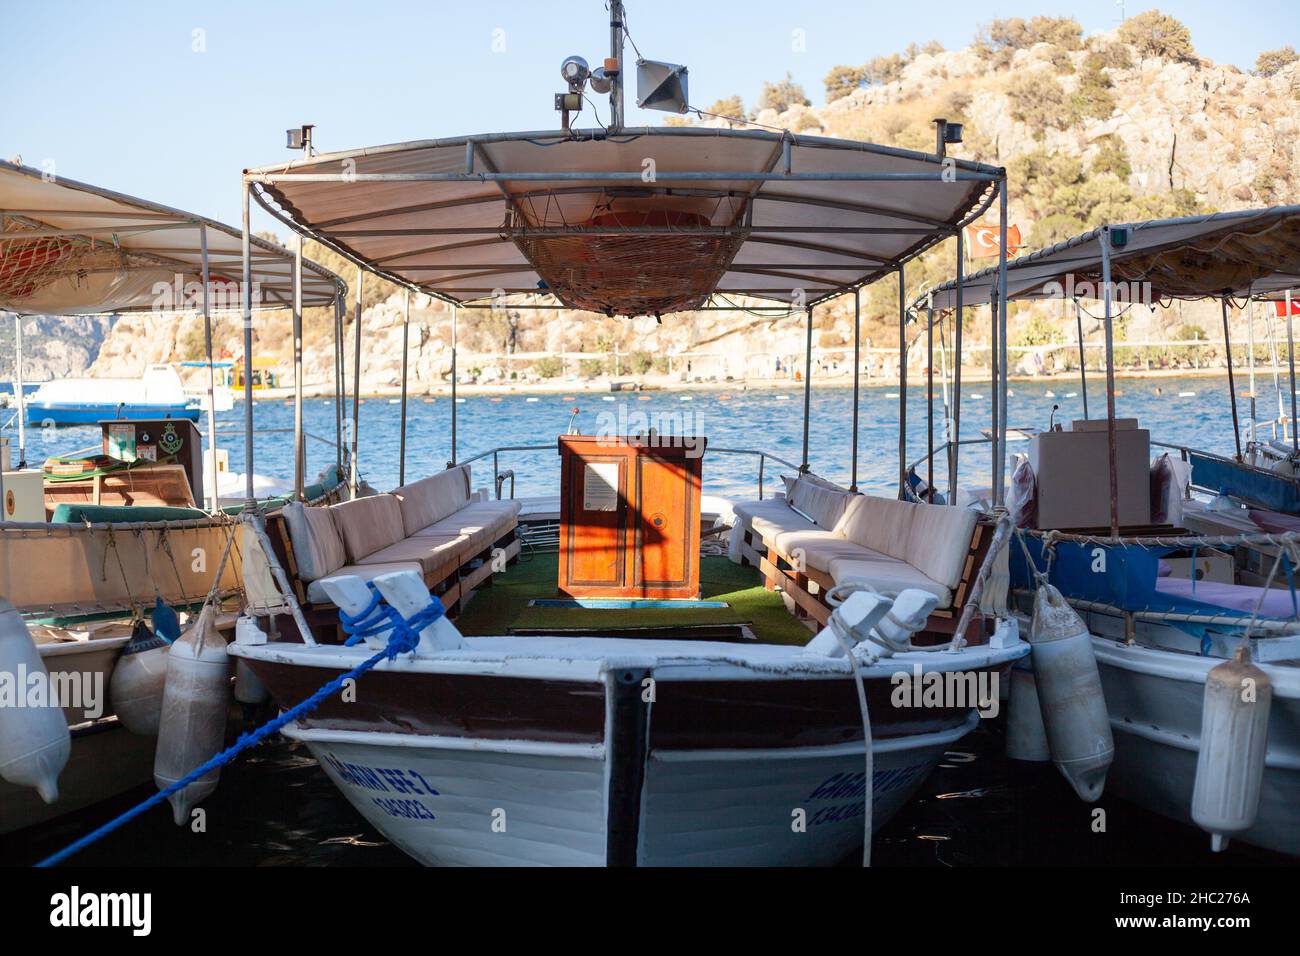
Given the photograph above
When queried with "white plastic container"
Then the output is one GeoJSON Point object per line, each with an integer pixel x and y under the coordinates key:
{"type": "Point", "coordinates": [1234, 741]}
{"type": "Point", "coordinates": [1070, 697]}
{"type": "Point", "coordinates": [34, 740]}
{"type": "Point", "coordinates": [193, 724]}
{"type": "Point", "coordinates": [139, 676]}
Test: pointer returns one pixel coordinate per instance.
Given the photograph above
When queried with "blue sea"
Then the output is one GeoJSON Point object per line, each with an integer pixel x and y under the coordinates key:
{"type": "Point", "coordinates": [1191, 411]}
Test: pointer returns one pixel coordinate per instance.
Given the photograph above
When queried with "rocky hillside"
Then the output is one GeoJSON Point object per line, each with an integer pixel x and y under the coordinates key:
{"type": "Point", "coordinates": [53, 346]}
{"type": "Point", "coordinates": [1129, 124]}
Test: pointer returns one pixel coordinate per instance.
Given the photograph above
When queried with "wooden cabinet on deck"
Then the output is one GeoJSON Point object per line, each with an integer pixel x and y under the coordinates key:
{"type": "Point", "coordinates": [630, 516]}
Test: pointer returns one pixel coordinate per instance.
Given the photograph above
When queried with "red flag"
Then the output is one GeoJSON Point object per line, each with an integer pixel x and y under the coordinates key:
{"type": "Point", "coordinates": [982, 241]}
{"type": "Point", "coordinates": [1280, 307]}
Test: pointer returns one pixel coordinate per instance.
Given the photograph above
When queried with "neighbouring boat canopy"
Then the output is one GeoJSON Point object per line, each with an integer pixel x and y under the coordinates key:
{"type": "Point", "coordinates": [68, 248]}
{"type": "Point", "coordinates": [1254, 253]}
{"type": "Point", "coordinates": [641, 221]}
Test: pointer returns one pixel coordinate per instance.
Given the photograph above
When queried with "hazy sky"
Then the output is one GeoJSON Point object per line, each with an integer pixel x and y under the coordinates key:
{"type": "Point", "coordinates": [169, 100]}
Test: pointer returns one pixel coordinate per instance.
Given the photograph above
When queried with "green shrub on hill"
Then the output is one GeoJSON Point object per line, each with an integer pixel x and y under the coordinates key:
{"type": "Point", "coordinates": [1157, 34]}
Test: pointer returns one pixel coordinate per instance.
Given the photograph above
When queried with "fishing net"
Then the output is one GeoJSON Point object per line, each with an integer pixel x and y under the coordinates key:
{"type": "Point", "coordinates": [30, 266]}
{"type": "Point", "coordinates": [636, 274]}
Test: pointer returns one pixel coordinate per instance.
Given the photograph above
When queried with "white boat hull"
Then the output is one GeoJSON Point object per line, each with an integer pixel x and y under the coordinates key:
{"type": "Point", "coordinates": [1154, 699]}
{"type": "Point", "coordinates": [546, 751]}
{"type": "Point", "coordinates": [513, 804]}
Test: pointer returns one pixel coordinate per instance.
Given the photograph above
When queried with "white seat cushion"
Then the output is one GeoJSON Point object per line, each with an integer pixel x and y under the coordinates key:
{"type": "Point", "coordinates": [771, 517]}
{"type": "Point", "coordinates": [819, 547]}
{"type": "Point", "coordinates": [431, 499]}
{"type": "Point", "coordinates": [367, 572]}
{"type": "Point", "coordinates": [887, 575]}
{"type": "Point", "coordinates": [819, 500]}
{"type": "Point", "coordinates": [932, 538]}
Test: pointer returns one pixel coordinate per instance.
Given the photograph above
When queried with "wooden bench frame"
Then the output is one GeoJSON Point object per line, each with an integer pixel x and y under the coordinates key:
{"type": "Point", "coordinates": [807, 588]}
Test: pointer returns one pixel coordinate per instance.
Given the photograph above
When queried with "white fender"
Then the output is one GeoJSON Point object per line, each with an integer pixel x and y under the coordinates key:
{"type": "Point", "coordinates": [34, 740]}
{"type": "Point", "coordinates": [139, 676]}
{"type": "Point", "coordinates": [1070, 697]}
{"type": "Point", "coordinates": [1026, 735]}
{"type": "Point", "coordinates": [249, 689]}
{"type": "Point", "coordinates": [193, 724]}
{"type": "Point", "coordinates": [1234, 740]}
{"type": "Point", "coordinates": [407, 594]}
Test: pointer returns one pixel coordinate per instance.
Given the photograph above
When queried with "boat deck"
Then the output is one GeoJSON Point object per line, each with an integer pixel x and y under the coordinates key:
{"type": "Point", "coordinates": [751, 611]}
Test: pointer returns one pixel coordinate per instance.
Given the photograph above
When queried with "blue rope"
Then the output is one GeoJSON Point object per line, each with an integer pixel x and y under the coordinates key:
{"type": "Point", "coordinates": [405, 637]}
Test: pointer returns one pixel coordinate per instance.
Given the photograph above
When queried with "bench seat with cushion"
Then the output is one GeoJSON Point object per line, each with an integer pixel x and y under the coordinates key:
{"type": "Point", "coordinates": [433, 526]}
{"type": "Point", "coordinates": [840, 537]}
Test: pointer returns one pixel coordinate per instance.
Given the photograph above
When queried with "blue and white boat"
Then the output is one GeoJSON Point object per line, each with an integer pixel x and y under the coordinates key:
{"type": "Point", "coordinates": [156, 394]}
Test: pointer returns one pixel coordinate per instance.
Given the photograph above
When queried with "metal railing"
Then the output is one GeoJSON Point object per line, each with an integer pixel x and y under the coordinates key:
{"type": "Point", "coordinates": [499, 476]}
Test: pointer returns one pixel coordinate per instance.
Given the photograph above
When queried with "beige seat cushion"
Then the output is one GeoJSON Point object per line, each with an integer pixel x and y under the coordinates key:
{"type": "Point", "coordinates": [431, 499]}
{"type": "Point", "coordinates": [367, 572]}
{"type": "Point", "coordinates": [435, 554]}
{"type": "Point", "coordinates": [939, 541]}
{"type": "Point", "coordinates": [317, 547]}
{"type": "Point", "coordinates": [368, 524]}
{"type": "Point", "coordinates": [771, 517]}
{"type": "Point", "coordinates": [819, 547]}
{"type": "Point", "coordinates": [482, 522]}
{"type": "Point", "coordinates": [879, 572]}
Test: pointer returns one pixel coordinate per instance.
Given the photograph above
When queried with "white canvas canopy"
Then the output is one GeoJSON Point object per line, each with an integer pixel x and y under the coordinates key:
{"type": "Point", "coordinates": [69, 248]}
{"type": "Point", "coordinates": [1255, 253]}
{"type": "Point", "coordinates": [645, 220]}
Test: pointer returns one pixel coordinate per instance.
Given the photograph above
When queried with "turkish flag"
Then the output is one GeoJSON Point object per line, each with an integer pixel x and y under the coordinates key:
{"type": "Point", "coordinates": [1280, 307]}
{"type": "Point", "coordinates": [982, 241]}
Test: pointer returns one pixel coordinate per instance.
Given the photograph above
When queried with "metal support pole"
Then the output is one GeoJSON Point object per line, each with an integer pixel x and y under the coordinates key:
{"type": "Point", "coordinates": [1083, 364]}
{"type": "Point", "coordinates": [213, 472]}
{"type": "Point", "coordinates": [299, 442]}
{"type": "Point", "coordinates": [807, 388]}
{"type": "Point", "coordinates": [339, 393]}
{"type": "Point", "coordinates": [995, 407]}
{"type": "Point", "coordinates": [616, 51]}
{"type": "Point", "coordinates": [1250, 365]}
{"type": "Point", "coordinates": [1111, 447]}
{"type": "Point", "coordinates": [356, 387]}
{"type": "Point", "coordinates": [955, 438]}
{"type": "Point", "coordinates": [857, 368]}
{"type": "Point", "coordinates": [1232, 381]}
{"type": "Point", "coordinates": [929, 398]}
{"type": "Point", "coordinates": [1290, 361]}
{"type": "Point", "coordinates": [454, 347]}
{"type": "Point", "coordinates": [999, 490]}
{"type": "Point", "coordinates": [247, 300]}
{"type": "Point", "coordinates": [406, 335]}
{"type": "Point", "coordinates": [19, 398]}
{"type": "Point", "coordinates": [902, 383]}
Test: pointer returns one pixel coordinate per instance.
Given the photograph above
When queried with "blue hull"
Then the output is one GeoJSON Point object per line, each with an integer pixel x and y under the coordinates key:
{"type": "Point", "coordinates": [43, 413]}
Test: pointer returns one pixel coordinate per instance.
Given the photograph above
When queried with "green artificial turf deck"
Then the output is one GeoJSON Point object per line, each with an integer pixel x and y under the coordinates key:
{"type": "Point", "coordinates": [504, 606]}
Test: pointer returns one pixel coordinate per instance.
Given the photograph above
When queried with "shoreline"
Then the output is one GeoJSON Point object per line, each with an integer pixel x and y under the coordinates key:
{"type": "Point", "coordinates": [649, 384]}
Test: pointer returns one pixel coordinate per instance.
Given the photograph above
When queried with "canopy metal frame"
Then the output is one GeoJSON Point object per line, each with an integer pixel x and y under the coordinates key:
{"type": "Point", "coordinates": [408, 271]}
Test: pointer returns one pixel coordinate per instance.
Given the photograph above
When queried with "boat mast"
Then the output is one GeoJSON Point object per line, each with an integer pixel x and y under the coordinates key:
{"type": "Point", "coordinates": [1111, 439]}
{"type": "Point", "coordinates": [1290, 360]}
{"type": "Point", "coordinates": [247, 302]}
{"type": "Point", "coordinates": [299, 446]}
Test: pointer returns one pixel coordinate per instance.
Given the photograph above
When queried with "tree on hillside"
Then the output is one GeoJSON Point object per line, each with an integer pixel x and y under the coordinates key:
{"type": "Point", "coordinates": [782, 95]}
{"type": "Point", "coordinates": [843, 80]}
{"type": "Point", "coordinates": [732, 107]}
{"type": "Point", "coordinates": [1000, 39]}
{"type": "Point", "coordinates": [1157, 34]}
{"type": "Point", "coordinates": [1270, 62]}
